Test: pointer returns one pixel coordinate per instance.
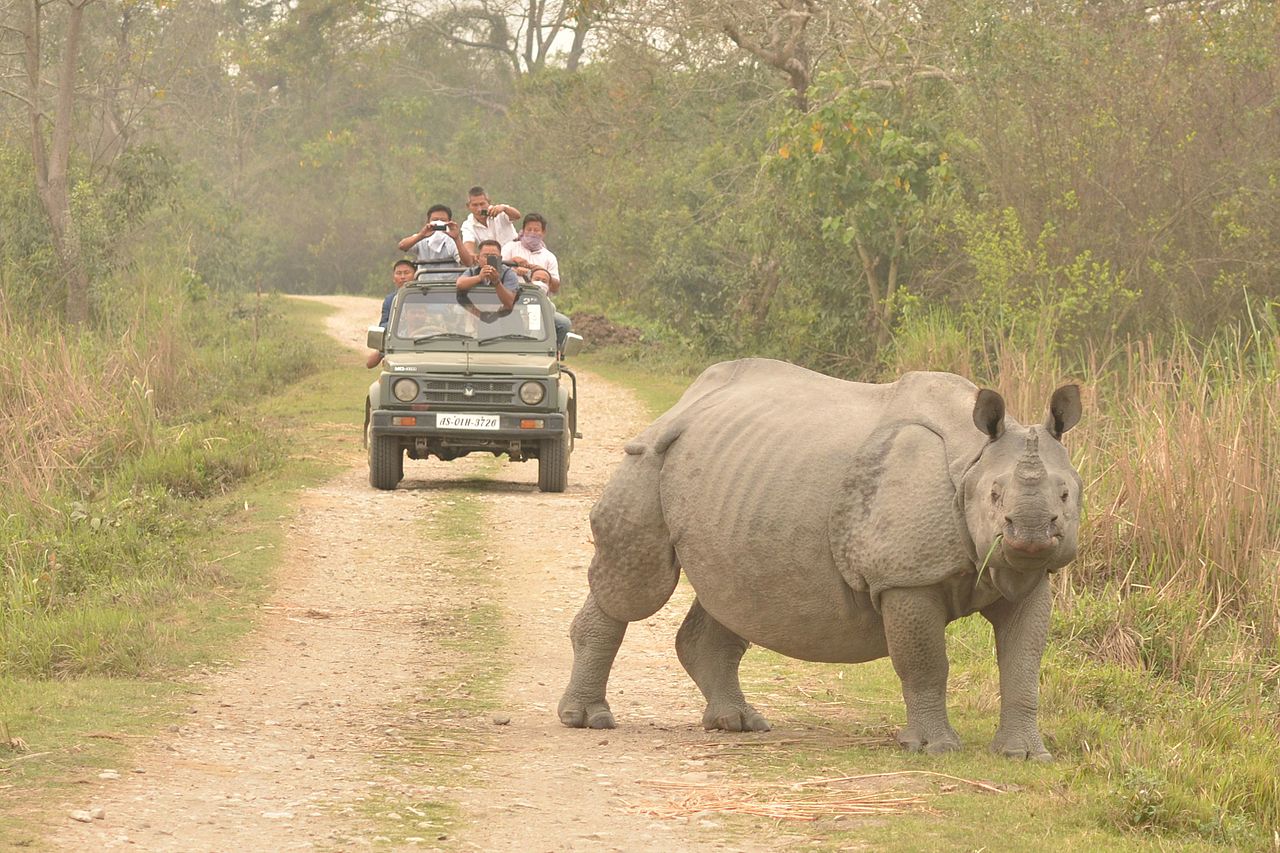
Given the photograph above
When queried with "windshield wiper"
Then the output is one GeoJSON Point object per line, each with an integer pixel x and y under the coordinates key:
{"type": "Point", "coordinates": [510, 336]}
{"type": "Point", "coordinates": [449, 335]}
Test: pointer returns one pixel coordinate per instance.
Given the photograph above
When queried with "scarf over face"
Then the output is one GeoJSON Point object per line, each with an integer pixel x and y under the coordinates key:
{"type": "Point", "coordinates": [532, 242]}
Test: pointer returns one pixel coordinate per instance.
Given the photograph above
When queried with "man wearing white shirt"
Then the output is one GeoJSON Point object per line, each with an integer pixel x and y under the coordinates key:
{"type": "Point", "coordinates": [439, 240]}
{"type": "Point", "coordinates": [487, 221]}
{"type": "Point", "coordinates": [529, 252]}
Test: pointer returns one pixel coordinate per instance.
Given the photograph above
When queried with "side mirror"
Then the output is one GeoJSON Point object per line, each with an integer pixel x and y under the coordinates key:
{"type": "Point", "coordinates": [572, 344]}
{"type": "Point", "coordinates": [377, 336]}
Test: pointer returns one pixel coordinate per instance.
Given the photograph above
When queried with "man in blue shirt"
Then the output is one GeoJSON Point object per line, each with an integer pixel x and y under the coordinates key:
{"type": "Point", "coordinates": [401, 273]}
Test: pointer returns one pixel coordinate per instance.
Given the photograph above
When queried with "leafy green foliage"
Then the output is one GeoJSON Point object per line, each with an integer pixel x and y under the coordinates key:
{"type": "Point", "coordinates": [1019, 289]}
{"type": "Point", "coordinates": [872, 168]}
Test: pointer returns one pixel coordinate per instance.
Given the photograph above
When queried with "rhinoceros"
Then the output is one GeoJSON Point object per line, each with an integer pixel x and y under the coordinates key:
{"type": "Point", "coordinates": [835, 521]}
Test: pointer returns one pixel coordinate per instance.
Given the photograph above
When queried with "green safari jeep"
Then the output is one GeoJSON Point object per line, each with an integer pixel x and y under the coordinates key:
{"type": "Point", "coordinates": [461, 374]}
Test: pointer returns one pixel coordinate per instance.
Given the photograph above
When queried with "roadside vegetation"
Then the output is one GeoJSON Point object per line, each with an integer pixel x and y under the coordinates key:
{"type": "Point", "coordinates": [142, 491]}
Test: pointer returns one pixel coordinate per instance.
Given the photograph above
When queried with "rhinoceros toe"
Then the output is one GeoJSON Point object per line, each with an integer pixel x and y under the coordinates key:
{"type": "Point", "coordinates": [913, 740]}
{"type": "Point", "coordinates": [593, 716]}
{"type": "Point", "coordinates": [734, 719]}
{"type": "Point", "coordinates": [1021, 747]}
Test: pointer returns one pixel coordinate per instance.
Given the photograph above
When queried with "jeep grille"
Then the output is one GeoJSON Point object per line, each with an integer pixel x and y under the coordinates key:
{"type": "Point", "coordinates": [484, 392]}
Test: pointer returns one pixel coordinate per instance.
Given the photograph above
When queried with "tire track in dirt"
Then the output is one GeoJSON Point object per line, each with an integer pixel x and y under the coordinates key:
{"type": "Point", "coordinates": [276, 751]}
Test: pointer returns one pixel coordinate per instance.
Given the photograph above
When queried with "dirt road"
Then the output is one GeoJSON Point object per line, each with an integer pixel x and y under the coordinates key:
{"type": "Point", "coordinates": [324, 733]}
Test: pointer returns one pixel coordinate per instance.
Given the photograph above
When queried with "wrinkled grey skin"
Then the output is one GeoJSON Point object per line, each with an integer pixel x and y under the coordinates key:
{"type": "Point", "coordinates": [835, 521]}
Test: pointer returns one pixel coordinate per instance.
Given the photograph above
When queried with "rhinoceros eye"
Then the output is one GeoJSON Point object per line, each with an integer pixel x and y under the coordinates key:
{"type": "Point", "coordinates": [995, 494]}
{"type": "Point", "coordinates": [1065, 494]}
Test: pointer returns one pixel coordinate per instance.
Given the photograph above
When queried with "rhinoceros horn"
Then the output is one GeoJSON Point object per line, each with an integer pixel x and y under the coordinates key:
{"type": "Point", "coordinates": [1030, 468]}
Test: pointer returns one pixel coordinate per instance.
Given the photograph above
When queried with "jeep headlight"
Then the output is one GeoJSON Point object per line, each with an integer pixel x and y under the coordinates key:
{"type": "Point", "coordinates": [531, 393]}
{"type": "Point", "coordinates": [405, 390]}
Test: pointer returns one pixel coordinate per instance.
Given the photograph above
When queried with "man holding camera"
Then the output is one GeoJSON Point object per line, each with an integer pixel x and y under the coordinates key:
{"type": "Point", "coordinates": [490, 269]}
{"type": "Point", "coordinates": [487, 221]}
{"type": "Point", "coordinates": [439, 240]}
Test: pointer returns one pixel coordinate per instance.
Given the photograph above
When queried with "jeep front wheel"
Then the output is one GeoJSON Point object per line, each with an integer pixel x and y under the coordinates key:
{"type": "Point", "coordinates": [386, 462]}
{"type": "Point", "coordinates": [553, 464]}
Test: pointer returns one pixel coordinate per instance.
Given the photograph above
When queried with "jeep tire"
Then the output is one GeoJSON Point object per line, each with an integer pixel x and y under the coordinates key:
{"type": "Point", "coordinates": [386, 462]}
{"type": "Point", "coordinates": [553, 463]}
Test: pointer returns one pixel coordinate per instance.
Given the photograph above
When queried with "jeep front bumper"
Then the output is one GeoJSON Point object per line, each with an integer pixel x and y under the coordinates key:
{"type": "Point", "coordinates": [512, 426]}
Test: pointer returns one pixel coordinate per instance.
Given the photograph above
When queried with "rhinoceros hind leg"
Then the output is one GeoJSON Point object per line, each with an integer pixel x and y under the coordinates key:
{"type": "Point", "coordinates": [710, 653]}
{"type": "Point", "coordinates": [596, 637]}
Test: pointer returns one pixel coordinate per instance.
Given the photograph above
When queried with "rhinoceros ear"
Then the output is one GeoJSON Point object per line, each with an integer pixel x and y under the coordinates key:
{"type": "Point", "coordinates": [1064, 410]}
{"type": "Point", "coordinates": [988, 413]}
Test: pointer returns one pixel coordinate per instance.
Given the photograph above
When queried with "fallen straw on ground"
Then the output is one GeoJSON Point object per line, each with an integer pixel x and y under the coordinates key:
{"type": "Point", "coordinates": [703, 799]}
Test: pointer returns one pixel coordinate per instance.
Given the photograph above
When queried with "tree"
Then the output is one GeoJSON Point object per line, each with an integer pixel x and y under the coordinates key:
{"type": "Point", "coordinates": [876, 43]}
{"type": "Point", "coordinates": [51, 135]}
{"type": "Point", "coordinates": [516, 38]}
{"type": "Point", "coordinates": [877, 174]}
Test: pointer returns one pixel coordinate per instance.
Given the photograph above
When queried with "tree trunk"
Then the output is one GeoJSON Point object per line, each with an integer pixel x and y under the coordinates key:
{"type": "Point", "coordinates": [875, 303]}
{"type": "Point", "coordinates": [579, 42]}
{"type": "Point", "coordinates": [52, 164]}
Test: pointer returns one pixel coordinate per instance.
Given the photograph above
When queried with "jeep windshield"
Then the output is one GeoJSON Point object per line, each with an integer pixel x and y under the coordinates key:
{"type": "Point", "coordinates": [444, 315]}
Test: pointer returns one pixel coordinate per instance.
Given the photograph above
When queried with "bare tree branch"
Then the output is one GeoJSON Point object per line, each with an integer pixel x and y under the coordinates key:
{"type": "Point", "coordinates": [19, 97]}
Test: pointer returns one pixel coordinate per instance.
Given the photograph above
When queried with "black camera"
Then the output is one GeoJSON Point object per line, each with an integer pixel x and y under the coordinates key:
{"type": "Point", "coordinates": [439, 226]}
{"type": "Point", "coordinates": [484, 212]}
{"type": "Point", "coordinates": [494, 261]}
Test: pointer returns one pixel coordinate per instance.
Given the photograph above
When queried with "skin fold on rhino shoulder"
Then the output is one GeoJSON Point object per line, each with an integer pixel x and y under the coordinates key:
{"type": "Point", "coordinates": [894, 523]}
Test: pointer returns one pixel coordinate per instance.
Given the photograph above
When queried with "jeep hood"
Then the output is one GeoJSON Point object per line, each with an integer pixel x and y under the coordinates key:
{"type": "Point", "coordinates": [472, 363]}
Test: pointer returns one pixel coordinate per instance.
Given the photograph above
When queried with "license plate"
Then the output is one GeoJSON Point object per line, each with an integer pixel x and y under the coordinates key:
{"type": "Point", "coordinates": [444, 421]}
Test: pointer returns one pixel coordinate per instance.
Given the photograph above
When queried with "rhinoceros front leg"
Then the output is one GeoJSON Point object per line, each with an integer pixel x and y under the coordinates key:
{"type": "Point", "coordinates": [710, 653]}
{"type": "Point", "coordinates": [596, 637]}
{"type": "Point", "coordinates": [1021, 628]}
{"type": "Point", "coordinates": [915, 622]}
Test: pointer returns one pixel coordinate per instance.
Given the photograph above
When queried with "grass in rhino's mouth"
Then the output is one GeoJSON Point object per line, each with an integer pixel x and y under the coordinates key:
{"type": "Point", "coordinates": [995, 543]}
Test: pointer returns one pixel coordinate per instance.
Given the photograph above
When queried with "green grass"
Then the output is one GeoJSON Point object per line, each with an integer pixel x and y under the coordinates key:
{"type": "Point", "coordinates": [398, 821]}
{"type": "Point", "coordinates": [1090, 716]}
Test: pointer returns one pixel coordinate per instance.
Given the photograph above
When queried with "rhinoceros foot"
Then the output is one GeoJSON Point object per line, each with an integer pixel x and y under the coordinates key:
{"type": "Point", "coordinates": [734, 718]}
{"type": "Point", "coordinates": [912, 739]}
{"type": "Point", "coordinates": [595, 715]}
{"type": "Point", "coordinates": [1020, 746]}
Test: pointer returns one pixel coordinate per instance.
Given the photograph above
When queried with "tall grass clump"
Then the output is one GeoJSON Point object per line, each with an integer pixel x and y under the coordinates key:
{"type": "Point", "coordinates": [109, 435]}
{"type": "Point", "coordinates": [1163, 673]}
{"type": "Point", "coordinates": [1185, 476]}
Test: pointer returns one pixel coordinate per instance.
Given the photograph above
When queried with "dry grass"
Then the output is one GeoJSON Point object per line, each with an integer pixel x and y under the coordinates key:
{"type": "Point", "coordinates": [1182, 471]}
{"type": "Point", "coordinates": [860, 795]}
{"type": "Point", "coordinates": [704, 799]}
{"type": "Point", "coordinates": [71, 401]}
